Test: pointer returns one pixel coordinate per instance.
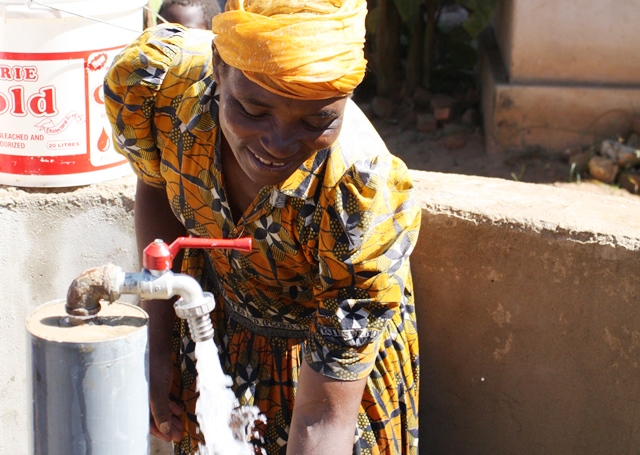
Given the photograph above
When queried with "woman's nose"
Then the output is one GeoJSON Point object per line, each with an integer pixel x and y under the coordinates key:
{"type": "Point", "coordinates": [280, 142]}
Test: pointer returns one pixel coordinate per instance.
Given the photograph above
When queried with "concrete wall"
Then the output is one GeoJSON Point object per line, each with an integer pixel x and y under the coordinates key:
{"type": "Point", "coordinates": [559, 74]}
{"type": "Point", "coordinates": [529, 323]}
{"type": "Point", "coordinates": [48, 238]}
{"type": "Point", "coordinates": [569, 40]}
{"type": "Point", "coordinates": [527, 300]}
{"type": "Point", "coordinates": [517, 116]}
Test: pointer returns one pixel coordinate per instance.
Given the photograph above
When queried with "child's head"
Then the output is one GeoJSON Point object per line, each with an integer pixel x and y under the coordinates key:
{"type": "Point", "coordinates": [191, 13]}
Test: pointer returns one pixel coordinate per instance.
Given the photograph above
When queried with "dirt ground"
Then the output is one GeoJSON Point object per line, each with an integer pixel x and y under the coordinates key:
{"type": "Point", "coordinates": [460, 150]}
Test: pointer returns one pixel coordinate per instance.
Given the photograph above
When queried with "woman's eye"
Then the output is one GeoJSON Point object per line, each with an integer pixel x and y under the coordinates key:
{"type": "Point", "coordinates": [249, 112]}
{"type": "Point", "coordinates": [317, 127]}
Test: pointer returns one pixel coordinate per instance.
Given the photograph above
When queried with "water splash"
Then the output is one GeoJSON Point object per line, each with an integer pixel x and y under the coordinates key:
{"type": "Point", "coordinates": [226, 426]}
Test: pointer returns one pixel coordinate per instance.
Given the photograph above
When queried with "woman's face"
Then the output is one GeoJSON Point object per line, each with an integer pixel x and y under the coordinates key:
{"type": "Point", "coordinates": [269, 135]}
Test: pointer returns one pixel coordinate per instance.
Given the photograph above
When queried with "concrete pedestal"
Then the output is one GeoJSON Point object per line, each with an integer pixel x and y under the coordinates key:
{"type": "Point", "coordinates": [555, 75]}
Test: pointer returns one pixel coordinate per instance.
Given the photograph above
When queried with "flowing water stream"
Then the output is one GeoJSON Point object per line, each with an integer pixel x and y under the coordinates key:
{"type": "Point", "coordinates": [226, 426]}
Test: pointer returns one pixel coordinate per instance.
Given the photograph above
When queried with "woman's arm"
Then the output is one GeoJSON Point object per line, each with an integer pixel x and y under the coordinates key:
{"type": "Point", "coordinates": [155, 220]}
{"type": "Point", "coordinates": [324, 414]}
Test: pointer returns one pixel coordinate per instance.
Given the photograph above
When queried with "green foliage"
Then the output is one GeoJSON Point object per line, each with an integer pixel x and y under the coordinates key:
{"type": "Point", "coordinates": [454, 62]}
{"type": "Point", "coordinates": [371, 21]}
{"type": "Point", "coordinates": [450, 54]}
{"type": "Point", "coordinates": [408, 9]}
{"type": "Point", "coordinates": [480, 13]}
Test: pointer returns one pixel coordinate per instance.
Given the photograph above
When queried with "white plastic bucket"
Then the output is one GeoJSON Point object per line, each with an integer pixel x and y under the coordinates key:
{"type": "Point", "coordinates": [54, 131]}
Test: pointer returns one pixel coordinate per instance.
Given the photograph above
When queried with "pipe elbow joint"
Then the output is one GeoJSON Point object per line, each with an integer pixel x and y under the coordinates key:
{"type": "Point", "coordinates": [92, 286]}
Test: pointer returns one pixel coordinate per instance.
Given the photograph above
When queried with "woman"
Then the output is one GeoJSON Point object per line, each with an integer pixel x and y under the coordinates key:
{"type": "Point", "coordinates": [256, 135]}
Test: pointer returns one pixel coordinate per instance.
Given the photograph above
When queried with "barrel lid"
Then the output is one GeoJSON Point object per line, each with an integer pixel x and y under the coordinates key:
{"type": "Point", "coordinates": [116, 320]}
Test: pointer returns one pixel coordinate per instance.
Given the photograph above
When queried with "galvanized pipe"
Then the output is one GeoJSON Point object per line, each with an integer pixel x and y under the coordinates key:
{"type": "Point", "coordinates": [107, 283]}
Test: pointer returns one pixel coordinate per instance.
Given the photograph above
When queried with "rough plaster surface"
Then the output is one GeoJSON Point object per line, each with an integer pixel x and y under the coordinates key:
{"type": "Point", "coordinates": [48, 238]}
{"type": "Point", "coordinates": [569, 41]}
{"type": "Point", "coordinates": [519, 115]}
{"type": "Point", "coordinates": [527, 310]}
{"type": "Point", "coordinates": [526, 297]}
{"type": "Point", "coordinates": [570, 213]}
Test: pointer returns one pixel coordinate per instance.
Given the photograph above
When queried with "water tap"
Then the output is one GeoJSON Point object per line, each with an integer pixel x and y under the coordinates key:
{"type": "Point", "coordinates": [155, 281]}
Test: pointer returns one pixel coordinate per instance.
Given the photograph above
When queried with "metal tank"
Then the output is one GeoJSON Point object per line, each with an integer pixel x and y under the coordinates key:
{"type": "Point", "coordinates": [89, 381]}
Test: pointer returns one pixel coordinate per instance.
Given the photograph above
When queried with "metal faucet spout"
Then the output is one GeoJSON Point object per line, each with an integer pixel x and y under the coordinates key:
{"type": "Point", "coordinates": [155, 281]}
{"type": "Point", "coordinates": [109, 283]}
{"type": "Point", "coordinates": [194, 305]}
{"type": "Point", "coordinates": [164, 285]}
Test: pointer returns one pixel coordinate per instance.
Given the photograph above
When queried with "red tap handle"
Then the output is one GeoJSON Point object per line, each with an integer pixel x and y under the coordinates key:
{"type": "Point", "coordinates": [159, 256]}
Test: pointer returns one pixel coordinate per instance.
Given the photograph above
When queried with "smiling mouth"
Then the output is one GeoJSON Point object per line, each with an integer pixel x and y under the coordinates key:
{"type": "Point", "coordinates": [268, 163]}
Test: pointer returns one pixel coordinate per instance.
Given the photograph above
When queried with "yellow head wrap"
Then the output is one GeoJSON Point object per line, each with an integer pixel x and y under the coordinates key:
{"type": "Point", "coordinates": [295, 48]}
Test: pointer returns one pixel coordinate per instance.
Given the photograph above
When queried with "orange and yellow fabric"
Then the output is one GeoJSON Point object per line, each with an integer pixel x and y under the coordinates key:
{"type": "Point", "coordinates": [298, 49]}
{"type": "Point", "coordinates": [328, 280]}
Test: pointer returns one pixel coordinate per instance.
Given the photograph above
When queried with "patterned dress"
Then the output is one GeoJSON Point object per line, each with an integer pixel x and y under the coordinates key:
{"type": "Point", "coordinates": [328, 279]}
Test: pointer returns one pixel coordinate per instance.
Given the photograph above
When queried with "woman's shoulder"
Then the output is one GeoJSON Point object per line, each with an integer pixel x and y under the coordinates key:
{"type": "Point", "coordinates": [145, 90]}
{"type": "Point", "coordinates": [360, 152]}
{"type": "Point", "coordinates": [358, 135]}
{"type": "Point", "coordinates": [161, 51]}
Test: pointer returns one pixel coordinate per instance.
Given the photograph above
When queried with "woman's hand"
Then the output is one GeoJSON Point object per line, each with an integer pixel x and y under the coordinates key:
{"type": "Point", "coordinates": [165, 414]}
{"type": "Point", "coordinates": [155, 220]}
{"type": "Point", "coordinates": [170, 431]}
{"type": "Point", "coordinates": [324, 414]}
